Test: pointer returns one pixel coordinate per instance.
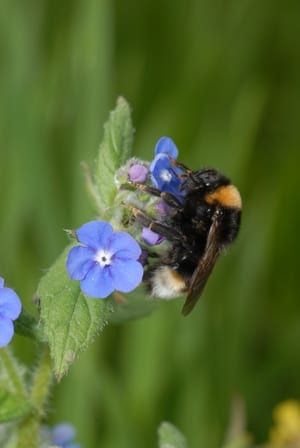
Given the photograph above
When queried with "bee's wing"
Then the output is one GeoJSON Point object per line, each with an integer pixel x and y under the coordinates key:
{"type": "Point", "coordinates": [204, 268]}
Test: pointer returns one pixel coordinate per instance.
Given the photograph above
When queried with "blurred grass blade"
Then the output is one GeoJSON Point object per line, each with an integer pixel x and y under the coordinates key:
{"type": "Point", "coordinates": [170, 437]}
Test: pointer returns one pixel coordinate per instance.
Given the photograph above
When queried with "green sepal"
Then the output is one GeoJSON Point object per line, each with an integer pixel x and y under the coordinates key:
{"type": "Point", "coordinates": [170, 437]}
{"type": "Point", "coordinates": [70, 319]}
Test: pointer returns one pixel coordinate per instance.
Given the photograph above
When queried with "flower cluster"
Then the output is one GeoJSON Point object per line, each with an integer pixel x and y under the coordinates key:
{"type": "Point", "coordinates": [106, 260]}
{"type": "Point", "coordinates": [165, 175]}
{"type": "Point", "coordinates": [10, 309]}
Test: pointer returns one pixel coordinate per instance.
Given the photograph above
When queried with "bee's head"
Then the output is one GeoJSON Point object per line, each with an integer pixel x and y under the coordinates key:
{"type": "Point", "coordinates": [206, 180]}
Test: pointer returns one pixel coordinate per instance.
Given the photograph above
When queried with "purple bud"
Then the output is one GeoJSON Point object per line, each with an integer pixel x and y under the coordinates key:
{"type": "Point", "coordinates": [138, 173]}
{"type": "Point", "coordinates": [151, 237]}
{"type": "Point", "coordinates": [162, 208]}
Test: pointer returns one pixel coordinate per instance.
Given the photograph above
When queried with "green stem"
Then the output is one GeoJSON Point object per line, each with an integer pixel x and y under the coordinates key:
{"type": "Point", "coordinates": [13, 372]}
{"type": "Point", "coordinates": [42, 381]}
{"type": "Point", "coordinates": [29, 428]}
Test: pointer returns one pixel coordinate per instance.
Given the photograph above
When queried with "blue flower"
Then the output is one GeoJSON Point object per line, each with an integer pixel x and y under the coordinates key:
{"type": "Point", "coordinates": [164, 174]}
{"type": "Point", "coordinates": [63, 436]}
{"type": "Point", "coordinates": [10, 309]}
{"type": "Point", "coordinates": [105, 261]}
{"type": "Point", "coordinates": [165, 145]}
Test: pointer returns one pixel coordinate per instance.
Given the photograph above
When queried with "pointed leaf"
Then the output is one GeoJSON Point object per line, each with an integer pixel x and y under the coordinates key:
{"type": "Point", "coordinates": [114, 150]}
{"type": "Point", "coordinates": [170, 437]}
{"type": "Point", "coordinates": [70, 319]}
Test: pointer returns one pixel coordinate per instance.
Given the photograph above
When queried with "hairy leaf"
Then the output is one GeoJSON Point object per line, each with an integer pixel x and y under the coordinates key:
{"type": "Point", "coordinates": [70, 319]}
{"type": "Point", "coordinates": [114, 150]}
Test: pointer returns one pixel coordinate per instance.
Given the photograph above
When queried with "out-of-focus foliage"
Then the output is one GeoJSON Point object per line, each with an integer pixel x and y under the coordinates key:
{"type": "Point", "coordinates": [170, 437]}
{"type": "Point", "coordinates": [286, 429]}
{"type": "Point", "coordinates": [221, 78]}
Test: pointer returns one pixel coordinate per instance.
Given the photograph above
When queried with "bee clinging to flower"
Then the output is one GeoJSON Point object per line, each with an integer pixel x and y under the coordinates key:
{"type": "Point", "coordinates": [204, 214]}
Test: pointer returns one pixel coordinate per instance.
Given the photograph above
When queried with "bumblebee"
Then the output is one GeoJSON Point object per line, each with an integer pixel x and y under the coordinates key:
{"type": "Point", "coordinates": [199, 228]}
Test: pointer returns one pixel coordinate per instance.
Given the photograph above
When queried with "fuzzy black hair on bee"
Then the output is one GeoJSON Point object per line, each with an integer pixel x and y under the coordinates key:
{"type": "Point", "coordinates": [199, 228]}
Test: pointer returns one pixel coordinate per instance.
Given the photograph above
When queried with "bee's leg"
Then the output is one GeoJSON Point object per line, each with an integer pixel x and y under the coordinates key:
{"type": "Point", "coordinates": [182, 166]}
{"type": "Point", "coordinates": [169, 198]}
{"type": "Point", "coordinates": [162, 229]}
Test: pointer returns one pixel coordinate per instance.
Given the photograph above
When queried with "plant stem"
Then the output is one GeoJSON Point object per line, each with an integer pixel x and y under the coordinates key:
{"type": "Point", "coordinates": [42, 379]}
{"type": "Point", "coordinates": [13, 374]}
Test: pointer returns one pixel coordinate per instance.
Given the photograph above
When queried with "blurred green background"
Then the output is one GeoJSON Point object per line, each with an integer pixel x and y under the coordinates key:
{"type": "Point", "coordinates": [222, 79]}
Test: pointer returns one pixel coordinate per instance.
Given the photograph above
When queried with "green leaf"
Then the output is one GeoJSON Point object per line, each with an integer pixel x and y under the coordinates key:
{"type": "Point", "coordinates": [170, 437]}
{"type": "Point", "coordinates": [12, 406]}
{"type": "Point", "coordinates": [114, 150]}
{"type": "Point", "coordinates": [70, 319]}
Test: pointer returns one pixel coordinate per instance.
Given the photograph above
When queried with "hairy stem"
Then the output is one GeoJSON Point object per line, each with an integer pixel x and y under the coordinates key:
{"type": "Point", "coordinates": [13, 373]}
{"type": "Point", "coordinates": [42, 379]}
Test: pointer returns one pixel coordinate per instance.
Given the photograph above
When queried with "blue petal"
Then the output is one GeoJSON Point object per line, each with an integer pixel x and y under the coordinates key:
{"type": "Point", "coordinates": [127, 274]}
{"type": "Point", "coordinates": [95, 234]}
{"type": "Point", "coordinates": [98, 282]}
{"type": "Point", "coordinates": [62, 434]}
{"type": "Point", "coordinates": [79, 262]}
{"type": "Point", "coordinates": [166, 145]}
{"type": "Point", "coordinates": [10, 304]}
{"type": "Point", "coordinates": [1, 282]}
{"type": "Point", "coordinates": [150, 237]}
{"type": "Point", "coordinates": [123, 242]}
{"type": "Point", "coordinates": [165, 176]}
{"type": "Point", "coordinates": [160, 162]}
{"type": "Point", "coordinates": [6, 331]}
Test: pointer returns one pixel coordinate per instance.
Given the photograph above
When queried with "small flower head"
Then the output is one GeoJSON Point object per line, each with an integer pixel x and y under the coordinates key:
{"type": "Point", "coordinates": [10, 309]}
{"type": "Point", "coordinates": [135, 170]}
{"type": "Point", "coordinates": [138, 173]}
{"type": "Point", "coordinates": [151, 237]}
{"type": "Point", "coordinates": [165, 175]}
{"type": "Point", "coordinates": [60, 436]}
{"type": "Point", "coordinates": [105, 260]}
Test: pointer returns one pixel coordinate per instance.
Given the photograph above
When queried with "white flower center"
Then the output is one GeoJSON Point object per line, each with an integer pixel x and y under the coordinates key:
{"type": "Point", "coordinates": [103, 257]}
{"type": "Point", "coordinates": [165, 175]}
